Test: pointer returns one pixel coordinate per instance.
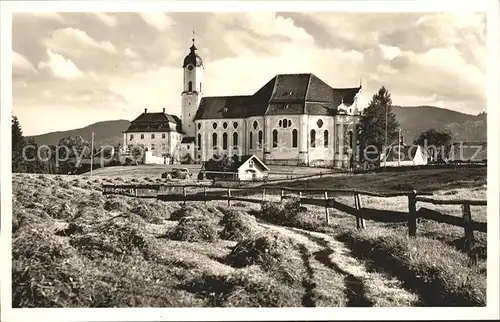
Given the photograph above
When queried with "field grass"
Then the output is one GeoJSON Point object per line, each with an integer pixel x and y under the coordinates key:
{"type": "Point", "coordinates": [72, 247]}
{"type": "Point", "coordinates": [420, 180]}
{"type": "Point", "coordinates": [155, 171]}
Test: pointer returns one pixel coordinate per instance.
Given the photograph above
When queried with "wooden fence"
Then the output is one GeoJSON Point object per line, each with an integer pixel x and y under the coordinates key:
{"type": "Point", "coordinates": [328, 201]}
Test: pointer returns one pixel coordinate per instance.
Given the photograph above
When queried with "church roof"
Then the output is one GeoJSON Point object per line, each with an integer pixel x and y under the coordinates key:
{"type": "Point", "coordinates": [155, 122]}
{"type": "Point", "coordinates": [283, 94]}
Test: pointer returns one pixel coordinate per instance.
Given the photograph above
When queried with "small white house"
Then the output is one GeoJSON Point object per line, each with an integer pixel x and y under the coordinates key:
{"type": "Point", "coordinates": [251, 168]}
{"type": "Point", "coordinates": [404, 155]}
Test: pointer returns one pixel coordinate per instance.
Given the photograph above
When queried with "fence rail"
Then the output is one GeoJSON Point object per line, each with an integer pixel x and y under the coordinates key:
{"type": "Point", "coordinates": [209, 193]}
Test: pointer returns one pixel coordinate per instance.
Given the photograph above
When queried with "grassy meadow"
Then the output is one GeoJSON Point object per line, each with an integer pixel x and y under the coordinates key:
{"type": "Point", "coordinates": [74, 247]}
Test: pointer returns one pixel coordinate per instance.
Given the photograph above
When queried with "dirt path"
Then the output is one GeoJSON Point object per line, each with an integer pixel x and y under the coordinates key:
{"type": "Point", "coordinates": [362, 287]}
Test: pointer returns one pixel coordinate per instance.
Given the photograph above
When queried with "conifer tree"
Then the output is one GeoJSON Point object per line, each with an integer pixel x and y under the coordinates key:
{"type": "Point", "coordinates": [373, 122]}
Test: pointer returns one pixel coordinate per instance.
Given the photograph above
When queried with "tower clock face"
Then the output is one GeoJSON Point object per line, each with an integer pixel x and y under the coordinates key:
{"type": "Point", "coordinates": [190, 67]}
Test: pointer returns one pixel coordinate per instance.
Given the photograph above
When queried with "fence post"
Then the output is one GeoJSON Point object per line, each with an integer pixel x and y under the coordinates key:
{"type": "Point", "coordinates": [300, 198]}
{"type": "Point", "coordinates": [205, 195]}
{"type": "Point", "coordinates": [135, 191]}
{"type": "Point", "coordinates": [263, 194]}
{"type": "Point", "coordinates": [184, 194]}
{"type": "Point", "coordinates": [229, 197]}
{"type": "Point", "coordinates": [326, 208]}
{"type": "Point", "coordinates": [282, 194]}
{"type": "Point", "coordinates": [469, 232]}
{"type": "Point", "coordinates": [360, 221]}
{"type": "Point", "coordinates": [412, 214]}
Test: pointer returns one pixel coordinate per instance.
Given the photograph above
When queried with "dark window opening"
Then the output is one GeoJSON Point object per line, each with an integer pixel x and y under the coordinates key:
{"type": "Point", "coordinates": [325, 138]}
{"type": "Point", "coordinates": [313, 139]}
{"type": "Point", "coordinates": [251, 140]}
{"type": "Point", "coordinates": [199, 141]}
{"type": "Point", "coordinates": [190, 86]}
{"type": "Point", "coordinates": [260, 138]}
{"type": "Point", "coordinates": [275, 139]}
{"type": "Point", "coordinates": [235, 139]}
{"type": "Point", "coordinates": [294, 138]}
{"type": "Point", "coordinates": [224, 141]}
{"type": "Point", "coordinates": [214, 141]}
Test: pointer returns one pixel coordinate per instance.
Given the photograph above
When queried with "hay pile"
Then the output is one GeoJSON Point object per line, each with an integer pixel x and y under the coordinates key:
{"type": "Point", "coordinates": [116, 204]}
{"type": "Point", "coordinates": [273, 252]}
{"type": "Point", "coordinates": [187, 211]}
{"type": "Point", "coordinates": [195, 228]}
{"type": "Point", "coordinates": [248, 287]}
{"type": "Point", "coordinates": [111, 239]}
{"type": "Point", "coordinates": [238, 225]}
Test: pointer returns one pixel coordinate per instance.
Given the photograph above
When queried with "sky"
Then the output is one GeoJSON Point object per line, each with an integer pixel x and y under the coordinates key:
{"type": "Point", "coordinates": [70, 70]}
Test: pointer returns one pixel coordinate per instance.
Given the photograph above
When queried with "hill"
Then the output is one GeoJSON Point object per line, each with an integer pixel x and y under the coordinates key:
{"type": "Point", "coordinates": [106, 133]}
{"type": "Point", "coordinates": [413, 121]}
{"type": "Point", "coordinates": [463, 127]}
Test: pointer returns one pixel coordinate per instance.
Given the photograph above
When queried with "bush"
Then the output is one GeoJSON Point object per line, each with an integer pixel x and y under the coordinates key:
{"type": "Point", "coordinates": [238, 225]}
{"type": "Point", "coordinates": [195, 229]}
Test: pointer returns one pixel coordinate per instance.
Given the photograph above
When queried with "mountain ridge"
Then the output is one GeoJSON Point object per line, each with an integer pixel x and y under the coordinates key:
{"type": "Point", "coordinates": [412, 119]}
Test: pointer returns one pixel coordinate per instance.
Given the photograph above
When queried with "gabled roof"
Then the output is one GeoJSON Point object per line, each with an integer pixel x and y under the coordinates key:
{"type": "Point", "coordinates": [402, 152]}
{"type": "Point", "coordinates": [245, 158]}
{"type": "Point", "coordinates": [283, 94]}
{"type": "Point", "coordinates": [155, 122]}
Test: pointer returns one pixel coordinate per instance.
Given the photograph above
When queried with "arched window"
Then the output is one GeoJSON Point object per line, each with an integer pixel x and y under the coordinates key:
{"type": "Point", "coordinates": [224, 141]}
{"type": "Point", "coordinates": [224, 125]}
{"type": "Point", "coordinates": [199, 126]}
{"type": "Point", "coordinates": [313, 139]}
{"type": "Point", "coordinates": [235, 139]}
{"type": "Point", "coordinates": [260, 138]}
{"type": "Point", "coordinates": [251, 140]}
{"type": "Point", "coordinates": [294, 138]}
{"type": "Point", "coordinates": [319, 123]}
{"type": "Point", "coordinates": [285, 123]}
{"type": "Point", "coordinates": [325, 138]}
{"type": "Point", "coordinates": [214, 141]}
{"type": "Point", "coordinates": [201, 88]}
{"type": "Point", "coordinates": [190, 86]}
{"type": "Point", "coordinates": [235, 125]}
{"type": "Point", "coordinates": [214, 125]}
{"type": "Point", "coordinates": [255, 124]}
{"type": "Point", "coordinates": [275, 138]}
{"type": "Point", "coordinates": [199, 141]}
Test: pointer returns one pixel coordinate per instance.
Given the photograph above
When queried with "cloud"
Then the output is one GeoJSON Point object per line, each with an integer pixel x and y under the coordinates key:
{"type": "Point", "coordinates": [77, 43]}
{"type": "Point", "coordinates": [130, 53]}
{"type": "Point", "coordinates": [160, 21]}
{"type": "Point", "coordinates": [21, 65]}
{"type": "Point", "coordinates": [107, 19]}
{"type": "Point", "coordinates": [60, 67]}
{"type": "Point", "coordinates": [428, 58]}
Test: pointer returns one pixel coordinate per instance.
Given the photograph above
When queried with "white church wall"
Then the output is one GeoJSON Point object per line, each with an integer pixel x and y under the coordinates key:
{"type": "Point", "coordinates": [319, 154]}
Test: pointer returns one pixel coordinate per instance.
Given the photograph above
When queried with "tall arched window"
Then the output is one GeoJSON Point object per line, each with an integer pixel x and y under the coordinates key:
{"type": "Point", "coordinates": [235, 139]}
{"type": "Point", "coordinates": [190, 86]}
{"type": "Point", "coordinates": [294, 138]}
{"type": "Point", "coordinates": [260, 138]}
{"type": "Point", "coordinates": [325, 138]}
{"type": "Point", "coordinates": [224, 141]}
{"type": "Point", "coordinates": [199, 141]}
{"type": "Point", "coordinates": [313, 139]}
{"type": "Point", "coordinates": [214, 141]}
{"type": "Point", "coordinates": [275, 138]}
{"type": "Point", "coordinates": [251, 140]}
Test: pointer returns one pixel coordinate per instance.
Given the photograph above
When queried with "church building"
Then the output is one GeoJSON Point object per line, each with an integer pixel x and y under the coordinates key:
{"type": "Point", "coordinates": [293, 119]}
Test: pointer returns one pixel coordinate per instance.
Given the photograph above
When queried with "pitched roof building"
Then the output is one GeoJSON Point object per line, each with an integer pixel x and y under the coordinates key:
{"type": "Point", "coordinates": [292, 119]}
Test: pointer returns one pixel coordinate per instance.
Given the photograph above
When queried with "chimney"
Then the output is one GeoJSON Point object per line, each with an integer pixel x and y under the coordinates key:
{"type": "Point", "coordinates": [163, 110]}
{"type": "Point", "coordinates": [145, 110]}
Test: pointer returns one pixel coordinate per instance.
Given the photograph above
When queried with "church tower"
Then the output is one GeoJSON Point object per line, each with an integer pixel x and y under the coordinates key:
{"type": "Point", "coordinates": [193, 89]}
